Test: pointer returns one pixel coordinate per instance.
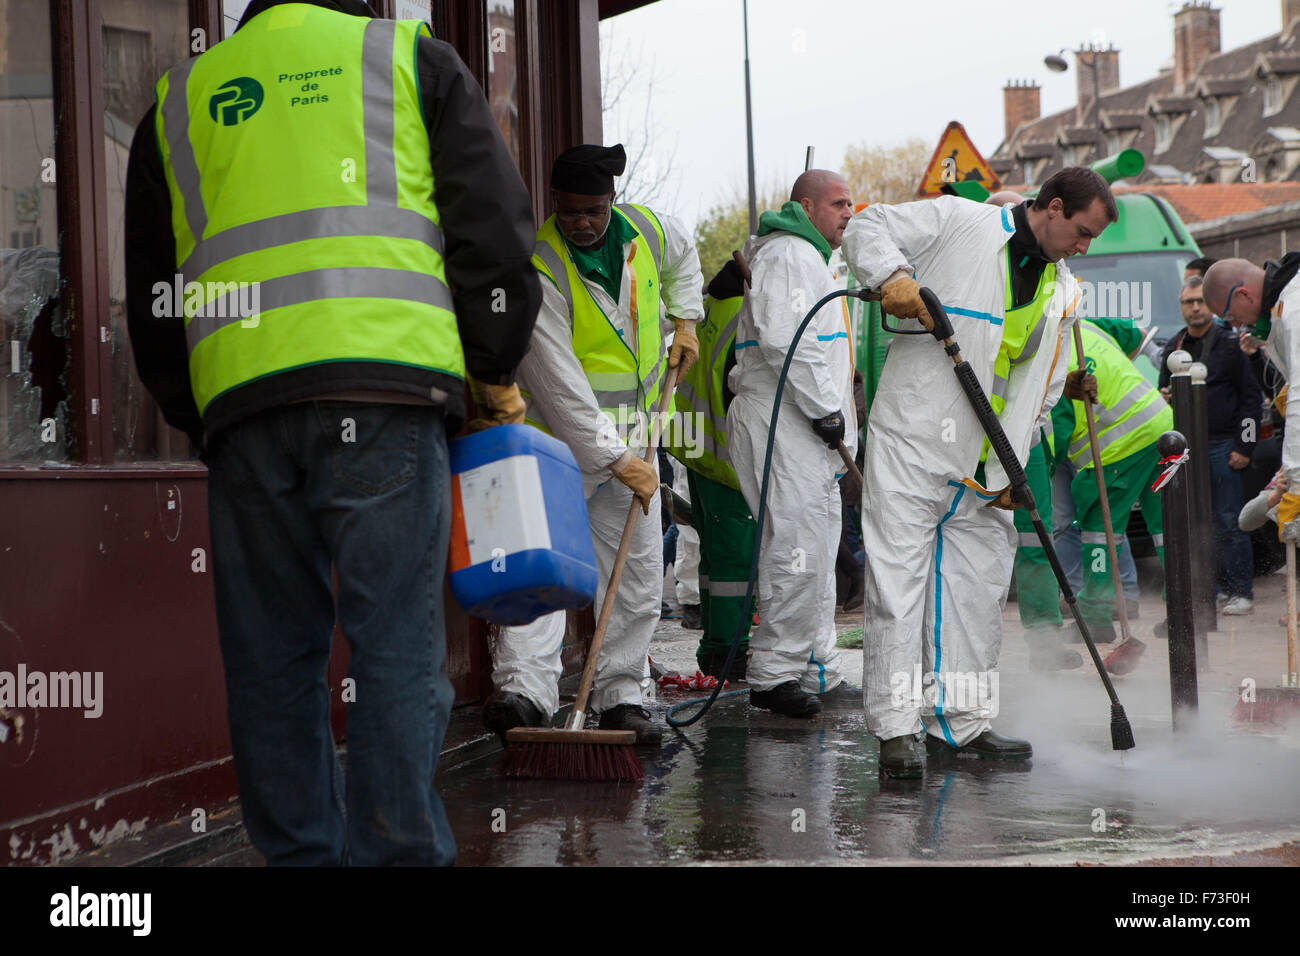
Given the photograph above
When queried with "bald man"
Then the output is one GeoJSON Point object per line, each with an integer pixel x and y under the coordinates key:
{"type": "Point", "coordinates": [794, 666]}
{"type": "Point", "coordinates": [1267, 302]}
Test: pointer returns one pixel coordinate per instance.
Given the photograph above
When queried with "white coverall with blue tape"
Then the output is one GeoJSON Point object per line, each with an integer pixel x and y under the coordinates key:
{"type": "Point", "coordinates": [938, 560]}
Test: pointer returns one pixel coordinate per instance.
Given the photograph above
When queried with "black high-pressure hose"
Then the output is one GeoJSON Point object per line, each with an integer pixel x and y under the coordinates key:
{"type": "Point", "coordinates": [759, 518]}
{"type": "Point", "coordinates": [1121, 732]}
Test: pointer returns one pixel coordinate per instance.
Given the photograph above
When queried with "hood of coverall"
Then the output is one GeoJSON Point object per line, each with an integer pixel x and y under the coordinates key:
{"type": "Point", "coordinates": [792, 218]}
{"type": "Point", "coordinates": [356, 8]}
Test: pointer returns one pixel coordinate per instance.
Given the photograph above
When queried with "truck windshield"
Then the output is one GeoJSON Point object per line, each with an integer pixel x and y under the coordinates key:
{"type": "Point", "coordinates": [1141, 286]}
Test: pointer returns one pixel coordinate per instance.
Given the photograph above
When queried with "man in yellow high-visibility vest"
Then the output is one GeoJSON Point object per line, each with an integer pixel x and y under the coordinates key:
{"type": "Point", "coordinates": [334, 196]}
{"type": "Point", "coordinates": [593, 378]}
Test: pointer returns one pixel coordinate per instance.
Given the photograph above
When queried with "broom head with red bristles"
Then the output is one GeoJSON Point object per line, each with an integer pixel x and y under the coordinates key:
{"type": "Point", "coordinates": [1124, 658]}
{"type": "Point", "coordinates": [1278, 706]}
{"type": "Point", "coordinates": [547, 753]}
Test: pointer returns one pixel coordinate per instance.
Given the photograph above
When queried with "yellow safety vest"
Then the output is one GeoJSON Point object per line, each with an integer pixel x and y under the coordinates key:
{"type": "Point", "coordinates": [1022, 333]}
{"type": "Point", "coordinates": [1133, 414]}
{"type": "Point", "coordinates": [298, 164]}
{"type": "Point", "coordinates": [624, 378]}
{"type": "Point", "coordinates": [697, 436]}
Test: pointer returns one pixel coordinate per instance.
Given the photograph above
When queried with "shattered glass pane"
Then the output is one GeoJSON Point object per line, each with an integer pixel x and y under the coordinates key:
{"type": "Point", "coordinates": [33, 331]}
{"type": "Point", "coordinates": [142, 39]}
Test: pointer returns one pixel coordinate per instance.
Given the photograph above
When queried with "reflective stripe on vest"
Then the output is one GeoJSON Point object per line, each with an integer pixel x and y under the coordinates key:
{"type": "Point", "coordinates": [697, 433]}
{"type": "Point", "coordinates": [624, 382]}
{"type": "Point", "coordinates": [1133, 414]}
{"type": "Point", "coordinates": [357, 277]}
{"type": "Point", "coordinates": [1022, 330]}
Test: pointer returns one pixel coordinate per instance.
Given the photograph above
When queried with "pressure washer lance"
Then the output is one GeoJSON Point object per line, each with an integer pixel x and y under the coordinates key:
{"type": "Point", "coordinates": [1121, 732]}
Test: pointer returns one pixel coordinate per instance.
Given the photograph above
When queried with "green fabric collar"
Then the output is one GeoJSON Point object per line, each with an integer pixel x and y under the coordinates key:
{"type": "Point", "coordinates": [604, 264]}
{"type": "Point", "coordinates": [792, 218]}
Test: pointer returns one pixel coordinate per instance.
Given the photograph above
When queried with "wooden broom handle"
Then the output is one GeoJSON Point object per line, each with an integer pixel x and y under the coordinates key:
{"type": "Point", "coordinates": [1121, 604]}
{"type": "Point", "coordinates": [578, 716]}
{"type": "Point", "coordinates": [1290, 614]}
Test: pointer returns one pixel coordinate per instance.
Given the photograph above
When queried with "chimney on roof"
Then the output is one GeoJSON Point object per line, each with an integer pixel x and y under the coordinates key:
{"type": "Point", "coordinates": [1290, 10]}
{"type": "Point", "coordinates": [1020, 103]}
{"type": "Point", "coordinates": [1196, 39]}
{"type": "Point", "coordinates": [1086, 59]}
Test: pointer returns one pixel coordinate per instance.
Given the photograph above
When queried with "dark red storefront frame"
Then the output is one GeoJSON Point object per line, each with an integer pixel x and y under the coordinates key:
{"type": "Point", "coordinates": [97, 573]}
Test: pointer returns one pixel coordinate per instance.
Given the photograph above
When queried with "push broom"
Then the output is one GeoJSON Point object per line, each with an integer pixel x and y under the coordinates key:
{"type": "Point", "coordinates": [572, 752]}
{"type": "Point", "coordinates": [1124, 658]}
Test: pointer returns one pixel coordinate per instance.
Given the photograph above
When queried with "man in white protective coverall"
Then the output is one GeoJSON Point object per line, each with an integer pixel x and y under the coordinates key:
{"type": "Point", "coordinates": [1267, 302]}
{"type": "Point", "coordinates": [592, 377]}
{"type": "Point", "coordinates": [937, 522]}
{"type": "Point", "coordinates": [794, 665]}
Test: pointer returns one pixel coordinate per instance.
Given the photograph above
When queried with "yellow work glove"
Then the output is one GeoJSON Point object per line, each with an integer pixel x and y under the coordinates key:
{"type": "Point", "coordinates": [1005, 501]}
{"type": "Point", "coordinates": [502, 403]}
{"type": "Point", "coordinates": [640, 476]}
{"type": "Point", "coordinates": [1280, 402]}
{"type": "Point", "coordinates": [1080, 383]}
{"type": "Point", "coordinates": [1287, 510]}
{"type": "Point", "coordinates": [686, 347]}
{"type": "Point", "coordinates": [902, 298]}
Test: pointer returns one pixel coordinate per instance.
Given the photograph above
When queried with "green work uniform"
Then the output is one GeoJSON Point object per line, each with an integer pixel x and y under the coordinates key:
{"type": "Point", "coordinates": [722, 517]}
{"type": "Point", "coordinates": [1036, 585]}
{"type": "Point", "coordinates": [1131, 417]}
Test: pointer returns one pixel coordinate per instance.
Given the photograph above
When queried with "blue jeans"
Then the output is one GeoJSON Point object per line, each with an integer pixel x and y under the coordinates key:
{"type": "Point", "coordinates": [1069, 545]}
{"type": "Point", "coordinates": [364, 487]}
{"type": "Point", "coordinates": [1236, 564]}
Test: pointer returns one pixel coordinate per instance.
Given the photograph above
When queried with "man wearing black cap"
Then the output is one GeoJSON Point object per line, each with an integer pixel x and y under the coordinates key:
{"type": "Point", "coordinates": [593, 377]}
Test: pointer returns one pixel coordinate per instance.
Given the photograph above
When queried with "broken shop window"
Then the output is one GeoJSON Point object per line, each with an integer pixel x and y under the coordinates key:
{"type": "Point", "coordinates": [34, 364]}
{"type": "Point", "coordinates": [34, 396]}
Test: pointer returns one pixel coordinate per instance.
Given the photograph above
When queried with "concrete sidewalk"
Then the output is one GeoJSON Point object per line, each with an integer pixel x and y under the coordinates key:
{"type": "Point", "coordinates": [746, 787]}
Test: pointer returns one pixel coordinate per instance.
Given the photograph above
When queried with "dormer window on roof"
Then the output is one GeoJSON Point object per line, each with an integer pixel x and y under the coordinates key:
{"type": "Point", "coordinates": [1272, 94]}
{"type": "Point", "coordinates": [1213, 116]}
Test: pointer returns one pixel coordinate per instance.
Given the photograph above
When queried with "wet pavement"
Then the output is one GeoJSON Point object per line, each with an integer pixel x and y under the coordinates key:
{"type": "Point", "coordinates": [745, 786]}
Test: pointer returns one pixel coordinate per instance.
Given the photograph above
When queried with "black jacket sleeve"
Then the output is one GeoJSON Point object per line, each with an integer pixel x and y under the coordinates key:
{"type": "Point", "coordinates": [1250, 397]}
{"type": "Point", "coordinates": [158, 341]}
{"type": "Point", "coordinates": [487, 217]}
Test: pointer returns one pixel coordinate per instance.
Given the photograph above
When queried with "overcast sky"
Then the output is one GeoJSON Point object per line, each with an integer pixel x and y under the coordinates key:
{"type": "Point", "coordinates": [832, 73]}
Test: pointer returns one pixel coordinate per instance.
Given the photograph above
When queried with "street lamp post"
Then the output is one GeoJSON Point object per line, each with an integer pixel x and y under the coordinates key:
{"type": "Point", "coordinates": [749, 132]}
{"type": "Point", "coordinates": [1056, 63]}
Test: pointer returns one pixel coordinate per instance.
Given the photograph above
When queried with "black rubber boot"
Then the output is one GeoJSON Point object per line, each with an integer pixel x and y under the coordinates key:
{"type": "Point", "coordinates": [989, 745]}
{"type": "Point", "coordinates": [787, 699]}
{"type": "Point", "coordinates": [632, 717]}
{"type": "Point", "coordinates": [712, 665]}
{"type": "Point", "coordinates": [1044, 660]}
{"type": "Point", "coordinates": [843, 696]}
{"type": "Point", "coordinates": [901, 757]}
{"type": "Point", "coordinates": [691, 617]}
{"type": "Point", "coordinates": [1046, 650]}
{"type": "Point", "coordinates": [1101, 633]}
{"type": "Point", "coordinates": [505, 710]}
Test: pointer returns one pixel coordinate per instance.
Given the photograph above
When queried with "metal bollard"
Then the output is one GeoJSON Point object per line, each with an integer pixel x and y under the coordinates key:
{"type": "Point", "coordinates": [1176, 506]}
{"type": "Point", "coordinates": [1203, 514]}
{"type": "Point", "coordinates": [1180, 387]}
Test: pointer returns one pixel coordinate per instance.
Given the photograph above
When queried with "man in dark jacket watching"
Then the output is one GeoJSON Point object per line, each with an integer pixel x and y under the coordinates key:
{"type": "Point", "coordinates": [326, 236]}
{"type": "Point", "coordinates": [1233, 401]}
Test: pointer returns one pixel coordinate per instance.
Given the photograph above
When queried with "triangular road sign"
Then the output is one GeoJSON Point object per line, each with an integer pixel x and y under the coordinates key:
{"type": "Point", "coordinates": [956, 160]}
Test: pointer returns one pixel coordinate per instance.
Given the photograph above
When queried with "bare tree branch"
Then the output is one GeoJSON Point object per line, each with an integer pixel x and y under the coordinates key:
{"type": "Point", "coordinates": [625, 78]}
